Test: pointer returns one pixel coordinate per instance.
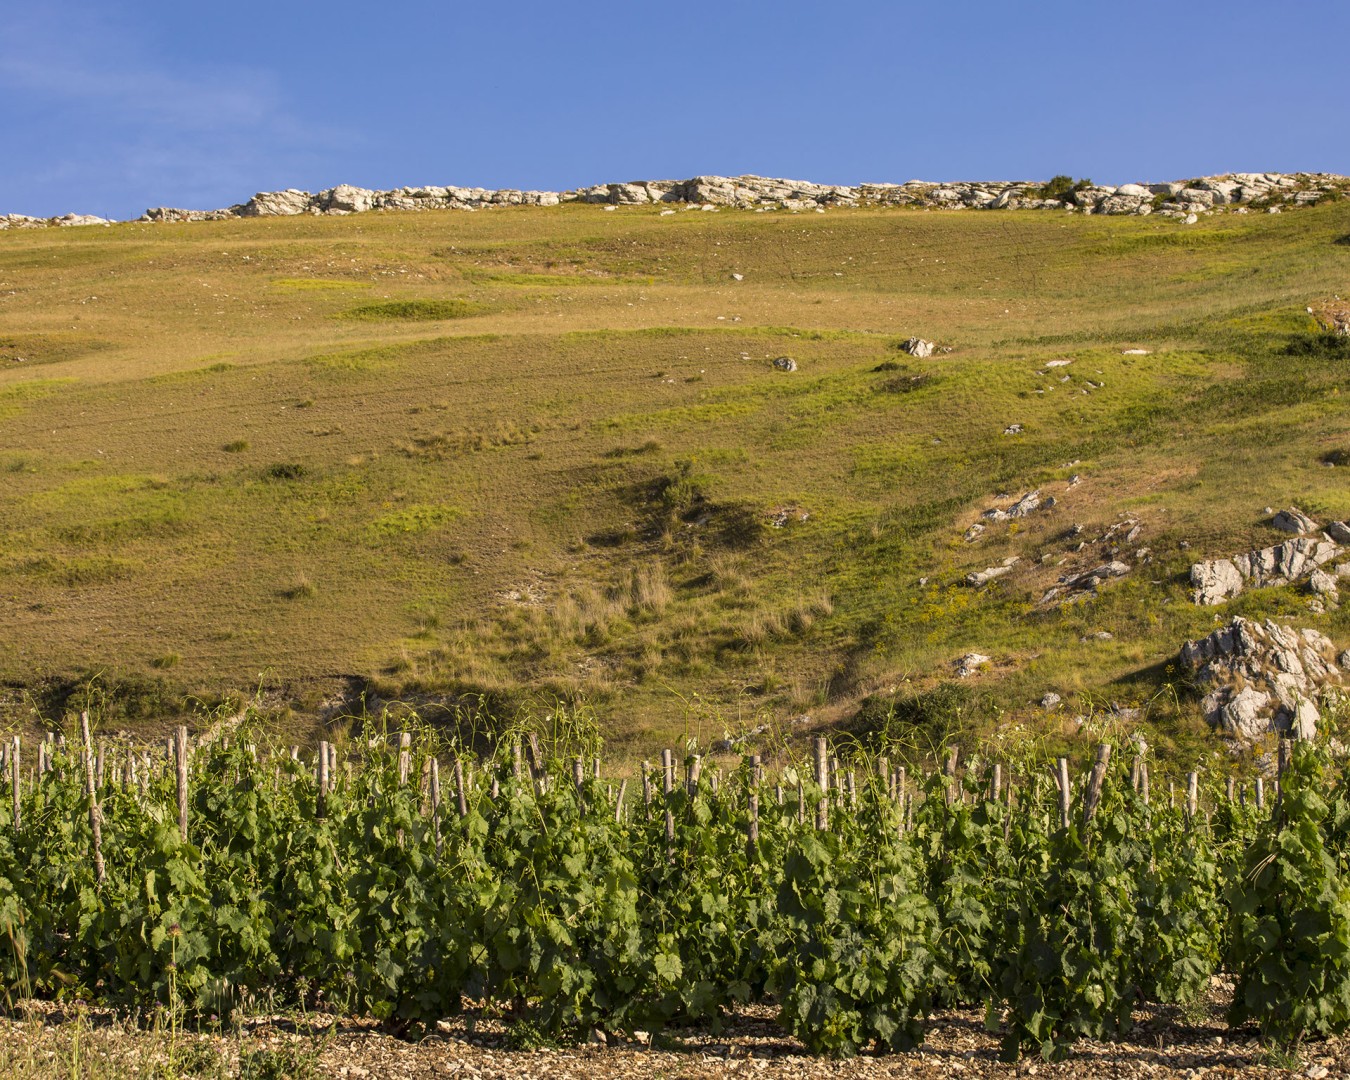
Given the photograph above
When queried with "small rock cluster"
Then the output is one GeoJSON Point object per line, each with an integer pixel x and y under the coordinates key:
{"type": "Point", "coordinates": [1078, 585]}
{"type": "Point", "coordinates": [1184, 199]}
{"type": "Point", "coordinates": [1262, 678]}
{"type": "Point", "coordinates": [1025, 506]}
{"type": "Point", "coordinates": [1217, 581]}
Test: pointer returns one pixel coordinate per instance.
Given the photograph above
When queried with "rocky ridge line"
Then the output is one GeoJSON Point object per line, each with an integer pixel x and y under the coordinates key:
{"type": "Point", "coordinates": [1185, 199]}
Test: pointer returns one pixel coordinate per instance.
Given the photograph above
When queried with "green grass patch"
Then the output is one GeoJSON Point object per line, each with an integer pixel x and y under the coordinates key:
{"type": "Point", "coordinates": [417, 518]}
{"type": "Point", "coordinates": [318, 284]}
{"type": "Point", "coordinates": [413, 311]}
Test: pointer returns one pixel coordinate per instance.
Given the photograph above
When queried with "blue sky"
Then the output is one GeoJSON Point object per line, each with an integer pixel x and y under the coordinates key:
{"type": "Point", "coordinates": [114, 106]}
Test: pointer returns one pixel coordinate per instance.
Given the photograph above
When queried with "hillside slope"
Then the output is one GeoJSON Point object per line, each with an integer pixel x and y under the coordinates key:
{"type": "Point", "coordinates": [539, 452]}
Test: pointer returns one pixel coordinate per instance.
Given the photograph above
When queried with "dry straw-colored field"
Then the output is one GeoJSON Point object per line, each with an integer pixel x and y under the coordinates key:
{"type": "Point", "coordinates": [537, 453]}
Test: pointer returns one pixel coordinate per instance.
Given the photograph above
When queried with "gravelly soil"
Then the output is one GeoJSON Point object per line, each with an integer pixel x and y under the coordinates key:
{"type": "Point", "coordinates": [1163, 1044]}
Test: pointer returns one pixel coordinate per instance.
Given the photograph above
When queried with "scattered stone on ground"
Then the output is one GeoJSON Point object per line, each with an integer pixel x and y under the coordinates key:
{"type": "Point", "coordinates": [1263, 677]}
{"type": "Point", "coordinates": [1013, 429]}
{"type": "Point", "coordinates": [983, 577]}
{"type": "Point", "coordinates": [1165, 1042]}
{"type": "Point", "coordinates": [1050, 700]}
{"type": "Point", "coordinates": [971, 663]}
{"type": "Point", "coordinates": [1027, 504]}
{"type": "Point", "coordinates": [785, 363]}
{"type": "Point", "coordinates": [917, 346]}
{"type": "Point", "coordinates": [1339, 531]}
{"type": "Point", "coordinates": [1294, 521]}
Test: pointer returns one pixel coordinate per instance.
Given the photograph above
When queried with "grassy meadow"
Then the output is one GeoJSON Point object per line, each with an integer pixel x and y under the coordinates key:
{"type": "Point", "coordinates": [535, 455]}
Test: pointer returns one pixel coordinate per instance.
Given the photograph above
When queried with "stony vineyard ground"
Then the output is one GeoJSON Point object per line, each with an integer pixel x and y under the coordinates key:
{"type": "Point", "coordinates": [43, 1043]}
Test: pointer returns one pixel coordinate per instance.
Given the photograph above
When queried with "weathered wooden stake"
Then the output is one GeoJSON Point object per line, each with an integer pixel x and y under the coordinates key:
{"type": "Point", "coordinates": [1143, 781]}
{"type": "Point", "coordinates": [694, 769]}
{"type": "Point", "coordinates": [823, 782]}
{"type": "Point", "coordinates": [618, 803]}
{"type": "Point", "coordinates": [578, 774]}
{"type": "Point", "coordinates": [95, 818]}
{"type": "Point", "coordinates": [1093, 796]}
{"type": "Point", "coordinates": [667, 772]}
{"type": "Point", "coordinates": [462, 795]}
{"type": "Point", "coordinates": [321, 807]}
{"type": "Point", "coordinates": [181, 773]}
{"type": "Point", "coordinates": [996, 783]}
{"type": "Point", "coordinates": [1192, 795]}
{"type": "Point", "coordinates": [404, 757]}
{"type": "Point", "coordinates": [1260, 793]}
{"type": "Point", "coordinates": [1065, 793]}
{"type": "Point", "coordinates": [436, 803]}
{"type": "Point", "coordinates": [753, 840]}
{"type": "Point", "coordinates": [646, 785]}
{"type": "Point", "coordinates": [14, 778]}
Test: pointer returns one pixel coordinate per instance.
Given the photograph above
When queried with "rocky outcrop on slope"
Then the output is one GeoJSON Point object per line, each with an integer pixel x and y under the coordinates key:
{"type": "Point", "coordinates": [1219, 580]}
{"type": "Point", "coordinates": [1263, 677]}
{"type": "Point", "coordinates": [1238, 192]}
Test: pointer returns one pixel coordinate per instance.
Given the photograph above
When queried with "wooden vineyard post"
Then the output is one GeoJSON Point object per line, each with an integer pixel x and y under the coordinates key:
{"type": "Point", "coordinates": [801, 802]}
{"type": "Point", "coordinates": [100, 767]}
{"type": "Point", "coordinates": [95, 818]}
{"type": "Point", "coordinates": [618, 803]}
{"type": "Point", "coordinates": [852, 791]}
{"type": "Point", "coordinates": [180, 751]}
{"type": "Point", "coordinates": [404, 757]}
{"type": "Point", "coordinates": [691, 778]}
{"type": "Point", "coordinates": [1230, 786]}
{"type": "Point", "coordinates": [1143, 781]}
{"type": "Point", "coordinates": [14, 778]}
{"type": "Point", "coordinates": [996, 782]}
{"type": "Point", "coordinates": [1093, 796]}
{"type": "Point", "coordinates": [752, 839]}
{"type": "Point", "coordinates": [321, 806]}
{"type": "Point", "coordinates": [823, 781]}
{"type": "Point", "coordinates": [1260, 793]}
{"type": "Point", "coordinates": [537, 770]}
{"type": "Point", "coordinates": [578, 774]}
{"type": "Point", "coordinates": [1064, 793]}
{"type": "Point", "coordinates": [949, 771]}
{"type": "Point", "coordinates": [646, 786]}
{"type": "Point", "coordinates": [1192, 796]}
{"type": "Point", "coordinates": [436, 803]}
{"type": "Point", "coordinates": [461, 794]}
{"type": "Point", "coordinates": [515, 759]}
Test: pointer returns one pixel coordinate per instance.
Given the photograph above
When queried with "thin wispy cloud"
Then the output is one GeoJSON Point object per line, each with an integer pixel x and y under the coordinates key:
{"type": "Point", "coordinates": [132, 130]}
